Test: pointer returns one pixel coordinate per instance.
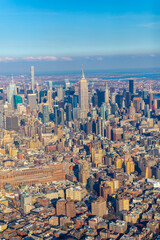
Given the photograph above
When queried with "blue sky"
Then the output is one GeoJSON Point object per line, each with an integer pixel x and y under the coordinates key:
{"type": "Point", "coordinates": [67, 31]}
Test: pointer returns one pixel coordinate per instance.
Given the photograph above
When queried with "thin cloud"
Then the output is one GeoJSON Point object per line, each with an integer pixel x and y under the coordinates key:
{"type": "Point", "coordinates": [38, 58]}
{"type": "Point", "coordinates": [66, 58]}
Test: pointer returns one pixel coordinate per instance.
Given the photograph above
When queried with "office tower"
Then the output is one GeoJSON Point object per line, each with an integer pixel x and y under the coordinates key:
{"type": "Point", "coordinates": [146, 109]}
{"type": "Point", "coordinates": [88, 127]}
{"type": "Point", "coordinates": [70, 208]}
{"type": "Point", "coordinates": [17, 99]}
{"type": "Point", "coordinates": [61, 207]}
{"type": "Point", "coordinates": [106, 93]}
{"type": "Point", "coordinates": [75, 100]}
{"type": "Point", "coordinates": [83, 96]}
{"type": "Point", "coordinates": [45, 110]}
{"type": "Point", "coordinates": [101, 97]}
{"type": "Point", "coordinates": [145, 95]}
{"type": "Point", "coordinates": [12, 90]}
{"type": "Point", "coordinates": [32, 101]}
{"type": "Point", "coordinates": [68, 112]}
{"type": "Point", "coordinates": [12, 123]}
{"type": "Point", "coordinates": [131, 86]}
{"type": "Point", "coordinates": [103, 110]}
{"type": "Point", "coordinates": [32, 78]}
{"type": "Point", "coordinates": [84, 173]}
{"type": "Point", "coordinates": [55, 108]}
{"type": "Point", "coordinates": [108, 131]}
{"type": "Point", "coordinates": [150, 96]}
{"type": "Point", "coordinates": [49, 96]}
{"type": "Point", "coordinates": [67, 83]}
{"type": "Point", "coordinates": [113, 96]}
{"type": "Point", "coordinates": [60, 93]}
{"type": "Point", "coordinates": [99, 126]}
{"type": "Point", "coordinates": [119, 100]}
{"type": "Point", "coordinates": [50, 85]}
{"type": "Point", "coordinates": [95, 100]}
{"type": "Point", "coordinates": [128, 100]}
{"type": "Point", "coordinates": [136, 103]}
{"type": "Point", "coordinates": [1, 114]}
{"type": "Point", "coordinates": [97, 154]}
{"type": "Point", "coordinates": [61, 116]}
{"type": "Point", "coordinates": [99, 207]}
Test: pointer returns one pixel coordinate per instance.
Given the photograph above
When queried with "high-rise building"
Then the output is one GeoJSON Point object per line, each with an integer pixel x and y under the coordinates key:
{"type": "Point", "coordinates": [75, 100]}
{"type": "Point", "coordinates": [60, 93]}
{"type": "Point", "coordinates": [128, 99]}
{"type": "Point", "coordinates": [99, 207]}
{"type": "Point", "coordinates": [32, 78]}
{"type": "Point", "coordinates": [131, 86]}
{"type": "Point", "coordinates": [32, 101]}
{"type": "Point", "coordinates": [12, 90]}
{"type": "Point", "coordinates": [122, 204]}
{"type": "Point", "coordinates": [61, 116]}
{"type": "Point", "coordinates": [1, 114]}
{"type": "Point", "coordinates": [61, 207]}
{"type": "Point", "coordinates": [49, 96]}
{"type": "Point", "coordinates": [55, 114]}
{"type": "Point", "coordinates": [70, 208]}
{"type": "Point", "coordinates": [150, 96]}
{"type": "Point", "coordinates": [17, 99]}
{"type": "Point", "coordinates": [67, 83]}
{"type": "Point", "coordinates": [106, 93]}
{"type": "Point", "coordinates": [119, 100]}
{"type": "Point", "coordinates": [68, 112]}
{"type": "Point", "coordinates": [103, 110]}
{"type": "Point", "coordinates": [84, 173]}
{"type": "Point", "coordinates": [45, 113]}
{"type": "Point", "coordinates": [83, 96]}
{"type": "Point", "coordinates": [50, 85]}
{"type": "Point", "coordinates": [12, 123]}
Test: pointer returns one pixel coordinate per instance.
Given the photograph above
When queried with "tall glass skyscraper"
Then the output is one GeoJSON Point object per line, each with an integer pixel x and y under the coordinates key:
{"type": "Point", "coordinates": [131, 86]}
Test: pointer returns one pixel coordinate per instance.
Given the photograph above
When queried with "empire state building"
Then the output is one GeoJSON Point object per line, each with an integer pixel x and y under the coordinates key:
{"type": "Point", "coordinates": [83, 96]}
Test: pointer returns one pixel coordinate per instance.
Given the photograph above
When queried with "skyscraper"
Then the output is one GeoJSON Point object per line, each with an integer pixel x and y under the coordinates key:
{"type": "Point", "coordinates": [106, 94]}
{"type": "Point", "coordinates": [68, 112]}
{"type": "Point", "coordinates": [83, 96]}
{"type": "Point", "coordinates": [1, 113]}
{"type": "Point", "coordinates": [45, 113]}
{"type": "Point", "coordinates": [11, 92]}
{"type": "Point", "coordinates": [60, 93]}
{"type": "Point", "coordinates": [32, 78]}
{"type": "Point", "coordinates": [32, 101]}
{"type": "Point", "coordinates": [131, 86]}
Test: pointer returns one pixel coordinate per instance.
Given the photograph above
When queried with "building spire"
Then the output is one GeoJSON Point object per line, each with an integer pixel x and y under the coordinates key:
{"type": "Point", "coordinates": [83, 77]}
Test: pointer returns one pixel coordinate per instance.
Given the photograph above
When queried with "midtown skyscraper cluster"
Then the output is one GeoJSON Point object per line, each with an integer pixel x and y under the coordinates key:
{"type": "Point", "coordinates": [79, 159]}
